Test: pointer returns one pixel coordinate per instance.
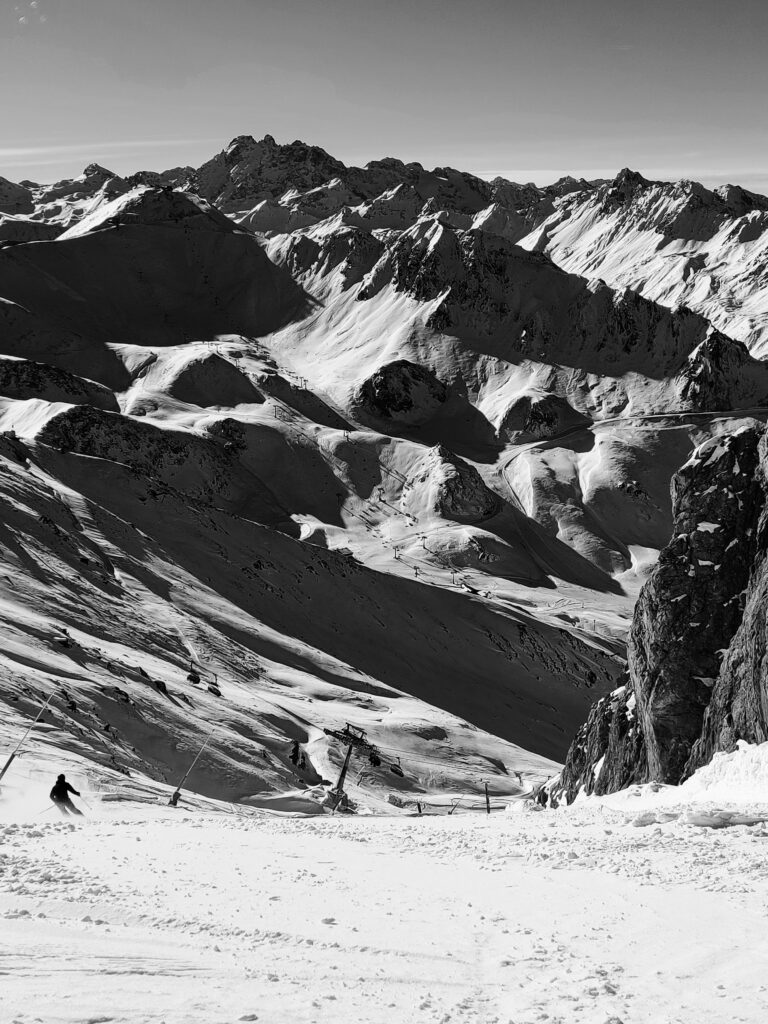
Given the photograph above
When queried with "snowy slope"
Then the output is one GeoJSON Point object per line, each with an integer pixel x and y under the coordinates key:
{"type": "Point", "coordinates": [677, 243]}
{"type": "Point", "coordinates": [331, 437]}
{"type": "Point", "coordinates": [629, 908]}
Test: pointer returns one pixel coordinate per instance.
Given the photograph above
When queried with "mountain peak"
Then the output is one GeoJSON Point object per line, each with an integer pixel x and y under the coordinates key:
{"type": "Point", "coordinates": [628, 177]}
{"type": "Point", "coordinates": [241, 146]}
{"type": "Point", "coordinates": [97, 171]}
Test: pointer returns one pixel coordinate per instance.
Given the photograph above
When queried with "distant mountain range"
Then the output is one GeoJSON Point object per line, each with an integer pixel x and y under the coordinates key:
{"type": "Point", "coordinates": [380, 445]}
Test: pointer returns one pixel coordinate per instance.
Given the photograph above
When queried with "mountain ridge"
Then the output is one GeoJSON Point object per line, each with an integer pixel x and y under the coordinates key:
{"type": "Point", "coordinates": [238, 397]}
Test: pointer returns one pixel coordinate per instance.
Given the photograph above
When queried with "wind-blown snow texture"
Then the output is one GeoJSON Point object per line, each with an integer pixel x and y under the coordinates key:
{"type": "Point", "coordinates": [648, 906]}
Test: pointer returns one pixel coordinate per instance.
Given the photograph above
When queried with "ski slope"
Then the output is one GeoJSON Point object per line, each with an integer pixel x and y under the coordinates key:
{"type": "Point", "coordinates": [621, 909]}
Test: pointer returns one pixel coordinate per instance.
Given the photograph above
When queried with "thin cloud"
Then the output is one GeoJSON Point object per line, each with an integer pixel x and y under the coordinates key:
{"type": "Point", "coordinates": [88, 147]}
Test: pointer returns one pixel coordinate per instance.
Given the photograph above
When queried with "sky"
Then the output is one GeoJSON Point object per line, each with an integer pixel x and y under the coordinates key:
{"type": "Point", "coordinates": [526, 89]}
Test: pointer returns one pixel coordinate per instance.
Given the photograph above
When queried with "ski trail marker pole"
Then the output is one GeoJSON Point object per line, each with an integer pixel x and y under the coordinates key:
{"type": "Point", "coordinates": [19, 745]}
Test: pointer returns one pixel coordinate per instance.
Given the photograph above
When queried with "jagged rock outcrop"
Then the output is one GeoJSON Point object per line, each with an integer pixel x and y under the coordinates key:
{"type": "Point", "coordinates": [25, 378]}
{"type": "Point", "coordinates": [697, 681]}
{"type": "Point", "coordinates": [205, 469]}
{"type": "Point", "coordinates": [677, 243]}
{"type": "Point", "coordinates": [484, 284]}
{"type": "Point", "coordinates": [608, 752]}
{"type": "Point", "coordinates": [536, 416]}
{"type": "Point", "coordinates": [681, 209]}
{"type": "Point", "coordinates": [401, 392]}
{"type": "Point", "coordinates": [692, 605]}
{"type": "Point", "coordinates": [351, 251]}
{"type": "Point", "coordinates": [721, 374]}
{"type": "Point", "coordinates": [249, 171]}
{"type": "Point", "coordinates": [738, 708]}
{"type": "Point", "coordinates": [446, 485]}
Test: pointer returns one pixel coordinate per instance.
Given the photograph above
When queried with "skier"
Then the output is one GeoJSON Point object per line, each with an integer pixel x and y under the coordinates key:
{"type": "Point", "coordinates": [295, 752]}
{"type": "Point", "coordinates": [60, 796]}
{"type": "Point", "coordinates": [303, 762]}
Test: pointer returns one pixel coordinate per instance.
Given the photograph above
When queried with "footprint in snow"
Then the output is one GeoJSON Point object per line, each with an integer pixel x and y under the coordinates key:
{"type": "Point", "coordinates": [329, 920]}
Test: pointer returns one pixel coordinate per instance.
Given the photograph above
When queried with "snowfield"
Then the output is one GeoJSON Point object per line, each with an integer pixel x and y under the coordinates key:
{"type": "Point", "coordinates": [140, 913]}
{"type": "Point", "coordinates": [293, 454]}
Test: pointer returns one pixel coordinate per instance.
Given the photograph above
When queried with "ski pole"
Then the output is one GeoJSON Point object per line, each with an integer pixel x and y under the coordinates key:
{"type": "Point", "coordinates": [44, 810]}
{"type": "Point", "coordinates": [19, 745]}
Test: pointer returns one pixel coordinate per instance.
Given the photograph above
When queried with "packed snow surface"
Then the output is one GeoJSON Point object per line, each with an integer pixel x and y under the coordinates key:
{"type": "Point", "coordinates": [141, 913]}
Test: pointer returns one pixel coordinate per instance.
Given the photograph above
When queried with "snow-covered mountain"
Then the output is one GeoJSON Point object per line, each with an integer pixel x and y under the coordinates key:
{"type": "Point", "coordinates": [288, 444]}
{"type": "Point", "coordinates": [677, 243]}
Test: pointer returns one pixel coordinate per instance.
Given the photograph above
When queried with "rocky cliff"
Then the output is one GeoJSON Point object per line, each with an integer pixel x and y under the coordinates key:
{"type": "Point", "coordinates": [697, 678]}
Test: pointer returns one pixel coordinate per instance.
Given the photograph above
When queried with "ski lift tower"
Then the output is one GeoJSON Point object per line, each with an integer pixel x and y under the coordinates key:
{"type": "Point", "coordinates": [355, 739]}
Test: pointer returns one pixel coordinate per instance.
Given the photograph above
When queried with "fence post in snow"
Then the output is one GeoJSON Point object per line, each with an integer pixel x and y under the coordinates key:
{"type": "Point", "coordinates": [487, 799]}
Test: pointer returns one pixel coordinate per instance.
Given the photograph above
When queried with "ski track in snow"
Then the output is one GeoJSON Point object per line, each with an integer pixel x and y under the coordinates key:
{"type": "Point", "coordinates": [570, 917]}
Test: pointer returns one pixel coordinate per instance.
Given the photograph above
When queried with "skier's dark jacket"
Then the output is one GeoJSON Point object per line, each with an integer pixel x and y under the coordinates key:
{"type": "Point", "coordinates": [60, 792]}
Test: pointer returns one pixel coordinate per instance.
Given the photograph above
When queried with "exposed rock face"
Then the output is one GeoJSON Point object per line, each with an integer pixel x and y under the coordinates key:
{"type": "Point", "coordinates": [402, 392]}
{"type": "Point", "coordinates": [685, 704]}
{"type": "Point", "coordinates": [353, 251]}
{"type": "Point", "coordinates": [539, 416]}
{"type": "Point", "coordinates": [681, 209]}
{"type": "Point", "coordinates": [739, 705]}
{"type": "Point", "coordinates": [203, 468]}
{"type": "Point", "coordinates": [692, 605]}
{"type": "Point", "coordinates": [452, 488]}
{"type": "Point", "coordinates": [676, 242]}
{"type": "Point", "coordinates": [24, 378]}
{"type": "Point", "coordinates": [608, 752]}
{"type": "Point", "coordinates": [248, 170]}
{"type": "Point", "coordinates": [721, 374]}
{"type": "Point", "coordinates": [484, 284]}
